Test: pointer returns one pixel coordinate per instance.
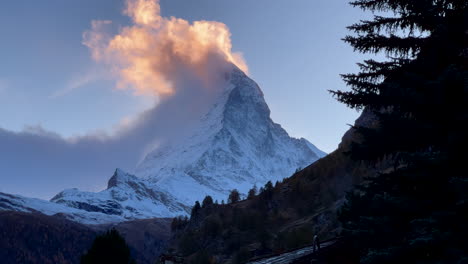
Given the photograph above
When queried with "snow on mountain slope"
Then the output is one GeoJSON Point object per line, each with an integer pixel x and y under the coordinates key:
{"type": "Point", "coordinates": [235, 145]}
{"type": "Point", "coordinates": [9, 202]}
{"type": "Point", "coordinates": [126, 196]}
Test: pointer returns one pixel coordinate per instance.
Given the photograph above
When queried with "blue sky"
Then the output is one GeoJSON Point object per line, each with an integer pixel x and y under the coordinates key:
{"type": "Point", "coordinates": [293, 50]}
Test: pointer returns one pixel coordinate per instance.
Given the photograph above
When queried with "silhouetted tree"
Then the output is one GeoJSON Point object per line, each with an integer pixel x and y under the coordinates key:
{"type": "Point", "coordinates": [268, 186]}
{"type": "Point", "coordinates": [415, 211]}
{"type": "Point", "coordinates": [212, 226]}
{"type": "Point", "coordinates": [252, 192]}
{"type": "Point", "coordinates": [267, 191]}
{"type": "Point", "coordinates": [109, 247]}
{"type": "Point", "coordinates": [179, 223]}
{"type": "Point", "coordinates": [207, 201]}
{"type": "Point", "coordinates": [234, 196]}
{"type": "Point", "coordinates": [195, 209]}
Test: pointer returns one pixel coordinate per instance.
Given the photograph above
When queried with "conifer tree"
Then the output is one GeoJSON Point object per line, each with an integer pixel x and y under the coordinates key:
{"type": "Point", "coordinates": [208, 201]}
{"type": "Point", "coordinates": [234, 196]}
{"type": "Point", "coordinates": [267, 192]}
{"type": "Point", "coordinates": [416, 210]}
{"type": "Point", "coordinates": [195, 209]}
{"type": "Point", "coordinates": [109, 247]}
{"type": "Point", "coordinates": [252, 192]}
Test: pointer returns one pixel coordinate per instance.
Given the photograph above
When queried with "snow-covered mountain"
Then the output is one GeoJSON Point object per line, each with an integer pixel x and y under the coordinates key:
{"type": "Point", "coordinates": [9, 202]}
{"type": "Point", "coordinates": [126, 196]}
{"type": "Point", "coordinates": [235, 145]}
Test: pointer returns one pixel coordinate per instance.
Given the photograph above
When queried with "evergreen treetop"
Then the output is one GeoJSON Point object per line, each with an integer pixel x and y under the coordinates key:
{"type": "Point", "coordinates": [109, 247]}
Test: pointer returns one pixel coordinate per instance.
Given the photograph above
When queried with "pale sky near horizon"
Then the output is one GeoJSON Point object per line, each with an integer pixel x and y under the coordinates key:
{"type": "Point", "coordinates": [294, 51]}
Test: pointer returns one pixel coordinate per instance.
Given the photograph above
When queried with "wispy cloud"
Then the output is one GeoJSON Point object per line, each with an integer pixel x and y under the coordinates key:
{"type": "Point", "coordinates": [78, 82]}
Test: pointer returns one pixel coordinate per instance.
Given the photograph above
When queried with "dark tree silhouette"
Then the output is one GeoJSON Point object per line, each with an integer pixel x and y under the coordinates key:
{"type": "Point", "coordinates": [207, 201]}
{"type": "Point", "coordinates": [109, 247]}
{"type": "Point", "coordinates": [195, 209]}
{"type": "Point", "coordinates": [234, 196]}
{"type": "Point", "coordinates": [415, 211]}
{"type": "Point", "coordinates": [252, 192]}
{"type": "Point", "coordinates": [267, 191]}
{"type": "Point", "coordinates": [179, 223]}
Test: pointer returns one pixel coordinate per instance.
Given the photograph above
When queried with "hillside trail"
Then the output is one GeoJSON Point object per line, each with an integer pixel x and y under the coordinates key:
{"type": "Point", "coordinates": [291, 256]}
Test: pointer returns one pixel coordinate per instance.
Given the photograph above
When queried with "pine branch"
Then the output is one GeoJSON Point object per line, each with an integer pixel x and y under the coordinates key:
{"type": "Point", "coordinates": [355, 100]}
{"type": "Point", "coordinates": [374, 71]}
{"type": "Point", "coordinates": [387, 24]}
{"type": "Point", "coordinates": [362, 83]}
{"type": "Point", "coordinates": [394, 45]}
{"type": "Point", "coordinates": [396, 6]}
{"type": "Point", "coordinates": [379, 5]}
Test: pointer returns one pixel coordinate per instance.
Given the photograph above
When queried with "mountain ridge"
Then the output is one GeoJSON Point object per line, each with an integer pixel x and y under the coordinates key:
{"type": "Point", "coordinates": [235, 145]}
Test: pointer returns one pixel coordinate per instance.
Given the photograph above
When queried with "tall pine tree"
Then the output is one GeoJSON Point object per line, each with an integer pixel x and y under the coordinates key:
{"type": "Point", "coordinates": [415, 211]}
{"type": "Point", "coordinates": [109, 247]}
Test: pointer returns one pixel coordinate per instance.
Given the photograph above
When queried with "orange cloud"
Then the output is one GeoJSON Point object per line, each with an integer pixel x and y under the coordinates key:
{"type": "Point", "coordinates": [150, 55]}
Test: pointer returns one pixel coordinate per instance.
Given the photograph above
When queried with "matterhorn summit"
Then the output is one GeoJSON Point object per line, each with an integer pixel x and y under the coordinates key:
{"type": "Point", "coordinates": [234, 145]}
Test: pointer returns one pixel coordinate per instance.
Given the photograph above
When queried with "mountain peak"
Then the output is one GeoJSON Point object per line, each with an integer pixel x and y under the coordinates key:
{"type": "Point", "coordinates": [118, 178]}
{"type": "Point", "coordinates": [247, 89]}
{"type": "Point", "coordinates": [233, 145]}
